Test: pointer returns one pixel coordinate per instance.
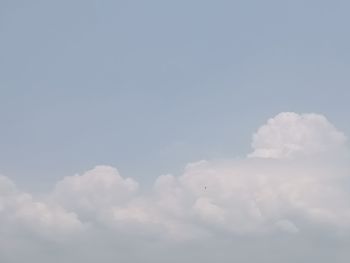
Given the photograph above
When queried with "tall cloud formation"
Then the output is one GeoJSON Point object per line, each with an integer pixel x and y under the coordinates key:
{"type": "Point", "coordinates": [294, 184]}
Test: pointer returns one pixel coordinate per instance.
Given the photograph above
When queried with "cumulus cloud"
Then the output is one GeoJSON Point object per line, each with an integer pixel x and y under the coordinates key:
{"type": "Point", "coordinates": [20, 211]}
{"type": "Point", "coordinates": [283, 187]}
{"type": "Point", "coordinates": [94, 190]}
{"type": "Point", "coordinates": [289, 134]}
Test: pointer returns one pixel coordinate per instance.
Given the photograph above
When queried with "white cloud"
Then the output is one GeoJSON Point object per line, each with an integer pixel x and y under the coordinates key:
{"type": "Point", "coordinates": [94, 190]}
{"type": "Point", "coordinates": [271, 192]}
{"type": "Point", "coordinates": [282, 188]}
{"type": "Point", "coordinates": [20, 212]}
{"type": "Point", "coordinates": [289, 134]}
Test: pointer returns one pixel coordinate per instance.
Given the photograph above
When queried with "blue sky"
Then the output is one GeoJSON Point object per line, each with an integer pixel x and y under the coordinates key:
{"type": "Point", "coordinates": [132, 95]}
{"type": "Point", "coordinates": [151, 85]}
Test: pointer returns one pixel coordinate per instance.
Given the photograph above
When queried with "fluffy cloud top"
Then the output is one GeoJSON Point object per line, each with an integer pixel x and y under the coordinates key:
{"type": "Point", "coordinates": [19, 210]}
{"type": "Point", "coordinates": [289, 134]}
{"type": "Point", "coordinates": [96, 189]}
{"type": "Point", "coordinates": [281, 187]}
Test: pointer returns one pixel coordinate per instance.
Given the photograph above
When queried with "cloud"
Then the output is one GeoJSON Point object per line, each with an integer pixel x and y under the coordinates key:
{"type": "Point", "coordinates": [283, 185]}
{"type": "Point", "coordinates": [20, 214]}
{"type": "Point", "coordinates": [94, 190]}
{"type": "Point", "coordinates": [293, 184]}
{"type": "Point", "coordinates": [289, 134]}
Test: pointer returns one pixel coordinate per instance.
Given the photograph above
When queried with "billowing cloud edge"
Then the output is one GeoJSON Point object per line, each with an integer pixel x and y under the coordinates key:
{"type": "Point", "coordinates": [293, 180]}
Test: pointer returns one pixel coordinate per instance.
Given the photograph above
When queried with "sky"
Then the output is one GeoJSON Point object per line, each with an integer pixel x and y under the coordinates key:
{"type": "Point", "coordinates": [183, 130]}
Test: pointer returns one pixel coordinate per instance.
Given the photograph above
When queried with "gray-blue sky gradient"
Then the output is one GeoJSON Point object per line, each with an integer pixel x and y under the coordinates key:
{"type": "Point", "coordinates": [175, 96]}
{"type": "Point", "coordinates": [149, 85]}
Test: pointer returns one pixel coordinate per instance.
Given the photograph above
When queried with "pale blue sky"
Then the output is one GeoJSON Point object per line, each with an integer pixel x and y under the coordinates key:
{"type": "Point", "coordinates": [148, 86]}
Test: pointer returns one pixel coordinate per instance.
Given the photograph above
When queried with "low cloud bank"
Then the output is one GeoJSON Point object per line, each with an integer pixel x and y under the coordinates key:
{"type": "Point", "coordinates": [295, 181]}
